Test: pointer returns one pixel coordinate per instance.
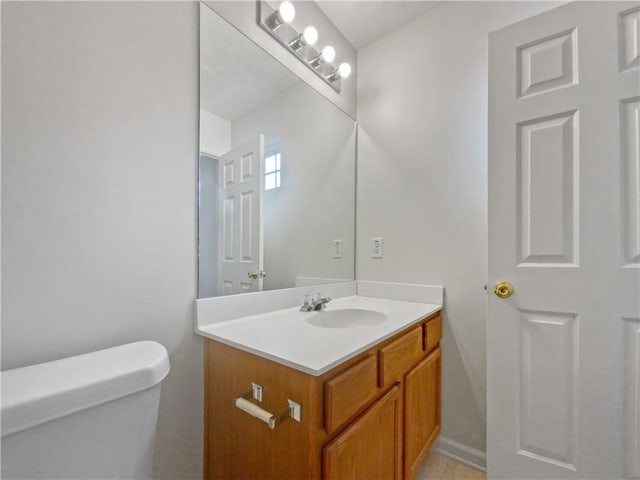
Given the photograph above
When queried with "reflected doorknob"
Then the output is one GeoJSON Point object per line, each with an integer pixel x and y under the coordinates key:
{"type": "Point", "coordinates": [256, 275]}
{"type": "Point", "coordinates": [503, 289]}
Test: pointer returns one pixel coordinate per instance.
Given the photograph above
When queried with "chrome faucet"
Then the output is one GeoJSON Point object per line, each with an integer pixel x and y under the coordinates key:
{"type": "Point", "coordinates": [317, 303]}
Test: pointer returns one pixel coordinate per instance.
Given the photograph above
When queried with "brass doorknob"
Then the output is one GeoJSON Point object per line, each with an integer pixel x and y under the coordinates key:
{"type": "Point", "coordinates": [503, 289]}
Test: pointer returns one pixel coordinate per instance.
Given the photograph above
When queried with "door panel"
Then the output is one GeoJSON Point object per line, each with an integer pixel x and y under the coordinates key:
{"type": "Point", "coordinates": [629, 27]}
{"type": "Point", "coordinates": [564, 228]}
{"type": "Point", "coordinates": [630, 126]}
{"type": "Point", "coordinates": [247, 251]}
{"type": "Point", "coordinates": [547, 399]}
{"type": "Point", "coordinates": [422, 411]}
{"type": "Point", "coordinates": [547, 63]}
{"type": "Point", "coordinates": [241, 233]}
{"type": "Point", "coordinates": [632, 398]}
{"type": "Point", "coordinates": [371, 447]}
{"type": "Point", "coordinates": [547, 185]}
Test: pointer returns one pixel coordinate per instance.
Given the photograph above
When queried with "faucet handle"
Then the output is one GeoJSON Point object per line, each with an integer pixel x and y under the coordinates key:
{"type": "Point", "coordinates": [306, 306]}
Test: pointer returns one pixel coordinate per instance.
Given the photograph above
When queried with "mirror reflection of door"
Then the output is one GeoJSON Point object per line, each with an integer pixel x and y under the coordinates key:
{"type": "Point", "coordinates": [241, 243]}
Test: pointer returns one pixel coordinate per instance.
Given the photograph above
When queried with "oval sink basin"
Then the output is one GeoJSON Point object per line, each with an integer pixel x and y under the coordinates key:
{"type": "Point", "coordinates": [347, 318]}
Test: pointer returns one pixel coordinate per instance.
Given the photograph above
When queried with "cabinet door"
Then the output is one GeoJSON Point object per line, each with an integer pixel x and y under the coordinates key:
{"type": "Point", "coordinates": [422, 411]}
{"type": "Point", "coordinates": [371, 447]}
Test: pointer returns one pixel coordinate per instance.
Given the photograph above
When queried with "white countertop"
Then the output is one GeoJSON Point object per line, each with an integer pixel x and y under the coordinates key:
{"type": "Point", "coordinates": [285, 336]}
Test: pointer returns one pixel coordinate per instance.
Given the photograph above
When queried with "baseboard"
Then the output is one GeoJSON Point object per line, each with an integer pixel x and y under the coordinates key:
{"type": "Point", "coordinates": [461, 453]}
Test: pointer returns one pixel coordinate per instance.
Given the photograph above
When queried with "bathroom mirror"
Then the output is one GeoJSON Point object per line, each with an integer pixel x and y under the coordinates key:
{"type": "Point", "coordinates": [276, 172]}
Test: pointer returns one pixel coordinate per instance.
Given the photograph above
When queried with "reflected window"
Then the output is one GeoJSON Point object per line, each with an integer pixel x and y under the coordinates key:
{"type": "Point", "coordinates": [272, 166]}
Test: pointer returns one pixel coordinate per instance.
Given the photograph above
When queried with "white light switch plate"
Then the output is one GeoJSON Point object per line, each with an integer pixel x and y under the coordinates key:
{"type": "Point", "coordinates": [337, 249]}
{"type": "Point", "coordinates": [375, 247]}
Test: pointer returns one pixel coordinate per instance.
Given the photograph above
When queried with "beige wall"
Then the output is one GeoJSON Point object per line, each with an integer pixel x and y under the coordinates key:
{"type": "Point", "coordinates": [422, 180]}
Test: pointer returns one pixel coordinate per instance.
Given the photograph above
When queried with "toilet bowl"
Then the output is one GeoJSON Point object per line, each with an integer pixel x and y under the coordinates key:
{"type": "Point", "coordinates": [91, 416]}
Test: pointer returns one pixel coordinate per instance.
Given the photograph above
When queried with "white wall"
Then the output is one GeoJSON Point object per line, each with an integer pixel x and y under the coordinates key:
{"type": "Point", "coordinates": [99, 153]}
{"type": "Point", "coordinates": [215, 140]}
{"type": "Point", "coordinates": [208, 205]}
{"type": "Point", "coordinates": [422, 176]}
{"type": "Point", "coordinates": [99, 150]}
{"type": "Point", "coordinates": [315, 203]}
{"type": "Point", "coordinates": [215, 134]}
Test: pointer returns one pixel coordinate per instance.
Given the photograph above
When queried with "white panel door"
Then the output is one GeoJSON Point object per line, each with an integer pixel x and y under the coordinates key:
{"type": "Point", "coordinates": [564, 199]}
{"type": "Point", "coordinates": [241, 227]}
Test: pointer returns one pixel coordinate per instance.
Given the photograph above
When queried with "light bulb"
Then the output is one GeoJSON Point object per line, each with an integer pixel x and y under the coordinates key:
{"type": "Point", "coordinates": [310, 35]}
{"type": "Point", "coordinates": [328, 54]}
{"type": "Point", "coordinates": [344, 70]}
{"type": "Point", "coordinates": [287, 11]}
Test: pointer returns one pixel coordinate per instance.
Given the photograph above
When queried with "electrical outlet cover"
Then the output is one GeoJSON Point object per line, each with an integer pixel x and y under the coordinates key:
{"type": "Point", "coordinates": [337, 249]}
{"type": "Point", "coordinates": [375, 247]}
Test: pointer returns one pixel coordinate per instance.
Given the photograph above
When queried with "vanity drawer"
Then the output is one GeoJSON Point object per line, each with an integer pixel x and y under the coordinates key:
{"type": "Point", "coordinates": [432, 333]}
{"type": "Point", "coordinates": [399, 356]}
{"type": "Point", "coordinates": [347, 393]}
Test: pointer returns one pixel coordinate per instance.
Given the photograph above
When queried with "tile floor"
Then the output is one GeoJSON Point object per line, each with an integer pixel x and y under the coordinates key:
{"type": "Point", "coordinates": [439, 467]}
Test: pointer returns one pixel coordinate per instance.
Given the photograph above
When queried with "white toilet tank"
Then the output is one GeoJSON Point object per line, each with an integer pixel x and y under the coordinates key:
{"type": "Point", "coordinates": [91, 416]}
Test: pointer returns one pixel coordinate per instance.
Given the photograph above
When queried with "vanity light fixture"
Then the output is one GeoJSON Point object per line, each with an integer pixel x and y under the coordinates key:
{"type": "Point", "coordinates": [275, 21]}
{"type": "Point", "coordinates": [328, 54]}
{"type": "Point", "coordinates": [308, 37]}
{"type": "Point", "coordinates": [343, 71]}
{"type": "Point", "coordinates": [285, 13]}
{"type": "Point", "coordinates": [316, 61]}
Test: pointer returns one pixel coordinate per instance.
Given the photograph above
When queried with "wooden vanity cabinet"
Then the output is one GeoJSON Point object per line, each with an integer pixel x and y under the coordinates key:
{"type": "Point", "coordinates": [421, 425]}
{"type": "Point", "coordinates": [371, 447]}
{"type": "Point", "coordinates": [375, 416]}
{"type": "Point", "coordinates": [349, 391]}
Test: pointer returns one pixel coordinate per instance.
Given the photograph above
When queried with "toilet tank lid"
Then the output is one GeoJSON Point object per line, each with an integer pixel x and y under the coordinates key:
{"type": "Point", "coordinates": [39, 393]}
